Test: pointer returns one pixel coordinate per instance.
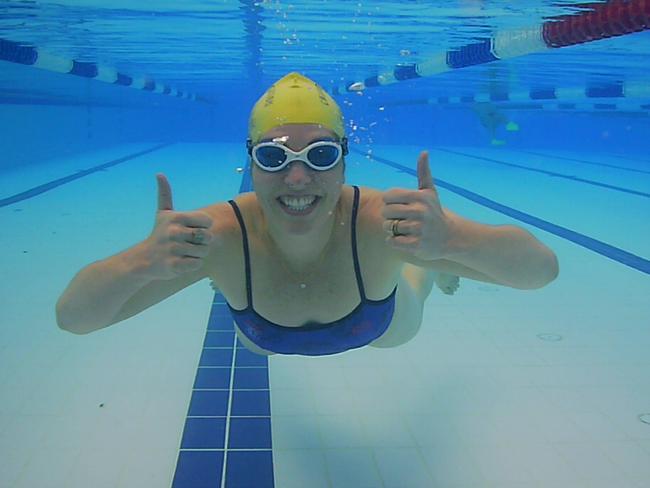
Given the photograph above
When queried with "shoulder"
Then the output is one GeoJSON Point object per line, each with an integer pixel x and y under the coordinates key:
{"type": "Point", "coordinates": [370, 224]}
{"type": "Point", "coordinates": [225, 259]}
{"type": "Point", "coordinates": [225, 228]}
{"type": "Point", "coordinates": [224, 219]}
{"type": "Point", "coordinates": [370, 202]}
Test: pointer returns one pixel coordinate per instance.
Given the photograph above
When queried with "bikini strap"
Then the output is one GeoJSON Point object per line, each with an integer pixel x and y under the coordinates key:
{"type": "Point", "coordinates": [247, 260]}
{"type": "Point", "coordinates": [355, 255]}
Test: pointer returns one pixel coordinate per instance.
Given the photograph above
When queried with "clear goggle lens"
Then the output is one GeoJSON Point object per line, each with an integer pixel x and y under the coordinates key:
{"type": "Point", "coordinates": [321, 155]}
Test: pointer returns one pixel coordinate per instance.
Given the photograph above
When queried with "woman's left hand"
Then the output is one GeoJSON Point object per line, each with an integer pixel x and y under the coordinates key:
{"type": "Point", "coordinates": [423, 228]}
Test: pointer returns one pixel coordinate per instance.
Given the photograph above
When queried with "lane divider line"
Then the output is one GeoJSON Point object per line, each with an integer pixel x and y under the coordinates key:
{"type": "Point", "coordinates": [582, 161]}
{"type": "Point", "coordinates": [29, 55]}
{"type": "Point", "coordinates": [37, 190]}
{"type": "Point", "coordinates": [550, 173]}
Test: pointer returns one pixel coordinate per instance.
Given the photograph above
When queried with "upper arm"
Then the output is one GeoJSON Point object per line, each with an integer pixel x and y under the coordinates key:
{"type": "Point", "coordinates": [158, 290]}
{"type": "Point", "coordinates": [375, 221]}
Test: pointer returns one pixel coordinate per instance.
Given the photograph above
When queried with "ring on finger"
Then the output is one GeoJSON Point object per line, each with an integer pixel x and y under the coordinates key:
{"type": "Point", "coordinates": [394, 229]}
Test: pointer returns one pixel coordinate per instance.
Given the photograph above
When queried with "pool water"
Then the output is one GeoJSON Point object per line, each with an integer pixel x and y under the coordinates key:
{"type": "Point", "coordinates": [501, 388]}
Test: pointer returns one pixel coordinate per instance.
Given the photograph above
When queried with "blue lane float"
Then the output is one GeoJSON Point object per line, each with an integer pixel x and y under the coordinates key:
{"type": "Point", "coordinates": [624, 96]}
{"type": "Point", "coordinates": [597, 21]}
{"type": "Point", "coordinates": [15, 52]}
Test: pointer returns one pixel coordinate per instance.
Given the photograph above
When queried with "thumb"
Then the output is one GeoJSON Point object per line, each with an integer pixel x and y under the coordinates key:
{"type": "Point", "coordinates": [425, 180]}
{"type": "Point", "coordinates": [164, 193]}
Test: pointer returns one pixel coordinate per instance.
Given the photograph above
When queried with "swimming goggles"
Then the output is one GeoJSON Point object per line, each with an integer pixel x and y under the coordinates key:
{"type": "Point", "coordinates": [320, 155]}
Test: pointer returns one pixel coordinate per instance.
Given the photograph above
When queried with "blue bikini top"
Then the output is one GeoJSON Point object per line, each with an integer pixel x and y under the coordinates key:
{"type": "Point", "coordinates": [364, 324]}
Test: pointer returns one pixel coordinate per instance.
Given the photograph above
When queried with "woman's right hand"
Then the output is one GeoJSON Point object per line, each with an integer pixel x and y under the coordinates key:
{"type": "Point", "coordinates": [179, 241]}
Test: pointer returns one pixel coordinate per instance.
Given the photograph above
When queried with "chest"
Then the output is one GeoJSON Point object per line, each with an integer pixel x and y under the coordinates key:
{"type": "Point", "coordinates": [322, 292]}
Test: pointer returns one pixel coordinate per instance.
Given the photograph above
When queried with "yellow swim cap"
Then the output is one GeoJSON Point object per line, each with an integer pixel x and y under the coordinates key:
{"type": "Point", "coordinates": [294, 99]}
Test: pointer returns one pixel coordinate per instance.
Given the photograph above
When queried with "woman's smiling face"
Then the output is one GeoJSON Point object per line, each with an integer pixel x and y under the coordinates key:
{"type": "Point", "coordinates": [298, 197]}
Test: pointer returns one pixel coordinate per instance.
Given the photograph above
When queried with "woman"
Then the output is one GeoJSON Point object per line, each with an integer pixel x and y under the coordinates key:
{"type": "Point", "coordinates": [307, 264]}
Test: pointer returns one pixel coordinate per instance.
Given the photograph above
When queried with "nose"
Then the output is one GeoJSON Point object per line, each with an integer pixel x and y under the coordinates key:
{"type": "Point", "coordinates": [298, 174]}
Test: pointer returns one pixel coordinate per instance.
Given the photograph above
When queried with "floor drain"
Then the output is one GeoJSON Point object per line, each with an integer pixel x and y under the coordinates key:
{"type": "Point", "coordinates": [550, 337]}
{"type": "Point", "coordinates": [645, 418]}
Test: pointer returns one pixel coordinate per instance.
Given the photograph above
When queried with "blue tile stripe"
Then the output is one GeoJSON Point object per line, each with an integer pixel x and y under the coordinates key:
{"type": "Point", "coordinates": [226, 440]}
{"type": "Point", "coordinates": [602, 248]}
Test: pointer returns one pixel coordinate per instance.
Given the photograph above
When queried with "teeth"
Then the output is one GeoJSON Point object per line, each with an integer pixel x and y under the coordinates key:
{"type": "Point", "coordinates": [298, 203]}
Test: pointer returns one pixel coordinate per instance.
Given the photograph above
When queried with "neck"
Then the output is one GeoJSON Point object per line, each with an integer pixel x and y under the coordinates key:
{"type": "Point", "coordinates": [300, 252]}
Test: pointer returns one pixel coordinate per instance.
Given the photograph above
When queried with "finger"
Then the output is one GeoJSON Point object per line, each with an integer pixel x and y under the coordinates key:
{"type": "Point", "coordinates": [190, 235]}
{"type": "Point", "coordinates": [164, 193]}
{"type": "Point", "coordinates": [425, 180]}
{"type": "Point", "coordinates": [398, 211]}
{"type": "Point", "coordinates": [404, 227]}
{"type": "Point", "coordinates": [399, 195]}
{"type": "Point", "coordinates": [403, 243]}
{"type": "Point", "coordinates": [197, 219]}
{"type": "Point", "coordinates": [189, 251]}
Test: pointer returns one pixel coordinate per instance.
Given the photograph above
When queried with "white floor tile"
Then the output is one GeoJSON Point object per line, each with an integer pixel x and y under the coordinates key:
{"type": "Point", "coordinates": [340, 431]}
{"type": "Point", "coordinates": [49, 468]}
{"type": "Point", "coordinates": [402, 467]}
{"type": "Point", "coordinates": [296, 432]}
{"type": "Point", "coordinates": [352, 468]}
{"type": "Point", "coordinates": [299, 468]}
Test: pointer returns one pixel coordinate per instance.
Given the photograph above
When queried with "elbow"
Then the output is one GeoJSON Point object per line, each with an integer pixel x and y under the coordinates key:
{"type": "Point", "coordinates": [60, 316]}
{"type": "Point", "coordinates": [64, 321]}
{"type": "Point", "coordinates": [72, 330]}
{"type": "Point", "coordinates": [555, 268]}
{"type": "Point", "coordinates": [551, 269]}
{"type": "Point", "coordinates": [548, 273]}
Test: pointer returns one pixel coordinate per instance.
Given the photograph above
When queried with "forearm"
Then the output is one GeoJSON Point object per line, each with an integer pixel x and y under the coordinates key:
{"type": "Point", "coordinates": [508, 254]}
{"type": "Point", "coordinates": [97, 293]}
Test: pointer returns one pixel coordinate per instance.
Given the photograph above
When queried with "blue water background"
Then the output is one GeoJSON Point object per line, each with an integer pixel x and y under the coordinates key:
{"type": "Point", "coordinates": [228, 53]}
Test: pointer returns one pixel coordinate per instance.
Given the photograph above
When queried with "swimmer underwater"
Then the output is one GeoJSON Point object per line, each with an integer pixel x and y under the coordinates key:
{"type": "Point", "coordinates": [307, 264]}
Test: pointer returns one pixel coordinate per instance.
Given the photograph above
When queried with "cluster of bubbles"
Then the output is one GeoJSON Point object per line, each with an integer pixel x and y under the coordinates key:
{"type": "Point", "coordinates": [362, 132]}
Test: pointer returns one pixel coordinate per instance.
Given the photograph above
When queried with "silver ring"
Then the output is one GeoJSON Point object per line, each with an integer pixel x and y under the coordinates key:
{"type": "Point", "coordinates": [197, 236]}
{"type": "Point", "coordinates": [393, 228]}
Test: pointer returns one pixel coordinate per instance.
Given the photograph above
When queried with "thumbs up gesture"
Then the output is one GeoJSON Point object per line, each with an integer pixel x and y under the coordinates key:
{"type": "Point", "coordinates": [179, 241]}
{"type": "Point", "coordinates": [414, 219]}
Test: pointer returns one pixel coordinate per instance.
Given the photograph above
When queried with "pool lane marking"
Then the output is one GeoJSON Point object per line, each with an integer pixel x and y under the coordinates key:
{"type": "Point", "coordinates": [231, 387]}
{"type": "Point", "coordinates": [624, 257]}
{"type": "Point", "coordinates": [240, 466]}
{"type": "Point", "coordinates": [37, 190]}
{"type": "Point", "coordinates": [593, 163]}
{"type": "Point", "coordinates": [550, 173]}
